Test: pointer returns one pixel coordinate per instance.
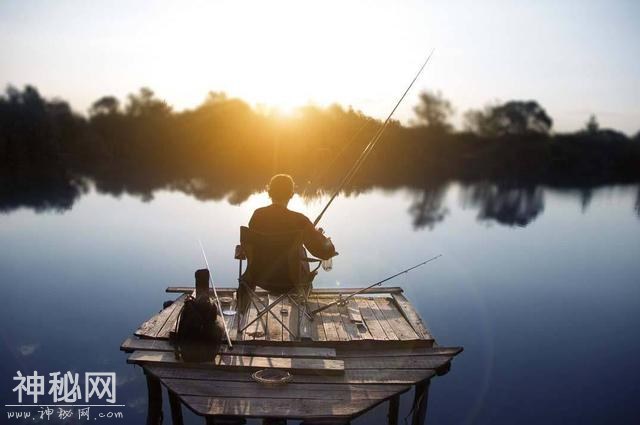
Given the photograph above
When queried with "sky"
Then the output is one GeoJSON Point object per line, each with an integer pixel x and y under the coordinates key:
{"type": "Point", "coordinates": [575, 58]}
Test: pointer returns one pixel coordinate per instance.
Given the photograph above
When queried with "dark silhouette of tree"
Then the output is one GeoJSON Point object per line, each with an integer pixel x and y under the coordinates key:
{"type": "Point", "coordinates": [106, 105]}
{"type": "Point", "coordinates": [226, 149]}
{"type": "Point", "coordinates": [36, 139]}
{"type": "Point", "coordinates": [146, 104]}
{"type": "Point", "coordinates": [434, 112]}
{"type": "Point", "coordinates": [513, 118]}
{"type": "Point", "coordinates": [592, 126]}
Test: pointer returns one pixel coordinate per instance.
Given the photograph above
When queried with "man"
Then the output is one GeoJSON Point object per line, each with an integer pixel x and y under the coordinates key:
{"type": "Point", "coordinates": [277, 218]}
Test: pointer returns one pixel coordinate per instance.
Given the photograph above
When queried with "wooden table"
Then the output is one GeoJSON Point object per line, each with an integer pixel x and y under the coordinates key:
{"type": "Point", "coordinates": [358, 356]}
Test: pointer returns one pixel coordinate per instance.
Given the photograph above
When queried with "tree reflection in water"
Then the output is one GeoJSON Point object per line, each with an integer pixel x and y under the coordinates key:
{"type": "Point", "coordinates": [511, 206]}
{"type": "Point", "coordinates": [427, 209]}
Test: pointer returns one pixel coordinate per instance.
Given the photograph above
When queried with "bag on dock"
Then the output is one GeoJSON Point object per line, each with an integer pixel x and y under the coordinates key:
{"type": "Point", "coordinates": [198, 334]}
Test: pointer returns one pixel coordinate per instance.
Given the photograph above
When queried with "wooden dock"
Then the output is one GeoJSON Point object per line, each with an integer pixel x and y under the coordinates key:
{"type": "Point", "coordinates": [346, 361]}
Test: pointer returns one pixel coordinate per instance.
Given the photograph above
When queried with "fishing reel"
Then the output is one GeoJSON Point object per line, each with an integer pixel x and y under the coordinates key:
{"type": "Point", "coordinates": [342, 301]}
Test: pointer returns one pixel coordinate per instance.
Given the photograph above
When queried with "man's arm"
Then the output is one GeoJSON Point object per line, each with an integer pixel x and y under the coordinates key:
{"type": "Point", "coordinates": [317, 244]}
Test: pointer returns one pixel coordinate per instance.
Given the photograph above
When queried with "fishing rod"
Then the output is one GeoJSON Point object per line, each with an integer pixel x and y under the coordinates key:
{"type": "Point", "coordinates": [372, 143]}
{"type": "Point", "coordinates": [343, 301]}
{"type": "Point", "coordinates": [215, 293]}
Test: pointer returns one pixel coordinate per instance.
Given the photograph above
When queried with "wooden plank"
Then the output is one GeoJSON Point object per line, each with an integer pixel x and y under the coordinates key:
{"type": "Point", "coordinates": [387, 363]}
{"type": "Point", "coordinates": [386, 328]}
{"type": "Point", "coordinates": [370, 321]}
{"type": "Point", "coordinates": [327, 322]}
{"type": "Point", "coordinates": [333, 324]}
{"type": "Point", "coordinates": [170, 325]}
{"type": "Point", "coordinates": [290, 319]}
{"type": "Point", "coordinates": [225, 361]}
{"type": "Point", "coordinates": [338, 392]}
{"type": "Point", "coordinates": [151, 327]}
{"type": "Point", "coordinates": [242, 320]}
{"type": "Point", "coordinates": [354, 311]}
{"type": "Point", "coordinates": [355, 376]}
{"type": "Point", "coordinates": [306, 328]}
{"type": "Point", "coordinates": [257, 330]}
{"type": "Point", "coordinates": [336, 315]}
{"type": "Point", "coordinates": [400, 326]}
{"type": "Point", "coordinates": [135, 344]}
{"type": "Point", "coordinates": [353, 333]}
{"type": "Point", "coordinates": [412, 316]}
{"type": "Point", "coordinates": [347, 351]}
{"type": "Point", "coordinates": [318, 332]}
{"type": "Point", "coordinates": [274, 327]}
{"type": "Point", "coordinates": [315, 292]}
{"type": "Point", "coordinates": [275, 407]}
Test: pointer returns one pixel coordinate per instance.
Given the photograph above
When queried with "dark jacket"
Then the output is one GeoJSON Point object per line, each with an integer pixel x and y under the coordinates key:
{"type": "Point", "coordinates": [279, 219]}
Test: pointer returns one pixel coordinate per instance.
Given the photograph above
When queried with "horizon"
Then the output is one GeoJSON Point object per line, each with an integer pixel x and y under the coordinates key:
{"type": "Point", "coordinates": [573, 62]}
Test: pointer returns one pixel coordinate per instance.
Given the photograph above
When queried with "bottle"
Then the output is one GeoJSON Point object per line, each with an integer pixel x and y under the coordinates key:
{"type": "Point", "coordinates": [327, 265]}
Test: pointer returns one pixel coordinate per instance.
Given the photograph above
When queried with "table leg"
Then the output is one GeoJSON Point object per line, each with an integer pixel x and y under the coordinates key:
{"type": "Point", "coordinates": [394, 407]}
{"type": "Point", "coordinates": [154, 410]}
{"type": "Point", "coordinates": [420, 403]}
{"type": "Point", "coordinates": [176, 408]}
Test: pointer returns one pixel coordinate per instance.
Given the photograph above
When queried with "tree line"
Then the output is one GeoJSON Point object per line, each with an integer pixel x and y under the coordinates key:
{"type": "Point", "coordinates": [226, 148]}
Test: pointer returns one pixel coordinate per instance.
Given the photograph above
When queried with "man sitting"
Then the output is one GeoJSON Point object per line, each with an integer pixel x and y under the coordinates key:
{"type": "Point", "coordinates": [277, 218]}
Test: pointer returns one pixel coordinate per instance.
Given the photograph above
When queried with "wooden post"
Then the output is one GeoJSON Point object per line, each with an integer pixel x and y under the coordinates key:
{"type": "Point", "coordinates": [394, 407]}
{"type": "Point", "coordinates": [420, 403]}
{"type": "Point", "coordinates": [154, 410]}
{"type": "Point", "coordinates": [176, 408]}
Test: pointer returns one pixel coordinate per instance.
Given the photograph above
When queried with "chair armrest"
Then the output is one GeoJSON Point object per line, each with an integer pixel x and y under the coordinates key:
{"type": "Point", "coordinates": [311, 260]}
{"type": "Point", "coordinates": [240, 254]}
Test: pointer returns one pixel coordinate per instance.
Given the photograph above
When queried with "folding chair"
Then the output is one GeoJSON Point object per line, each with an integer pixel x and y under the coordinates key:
{"type": "Point", "coordinates": [276, 262]}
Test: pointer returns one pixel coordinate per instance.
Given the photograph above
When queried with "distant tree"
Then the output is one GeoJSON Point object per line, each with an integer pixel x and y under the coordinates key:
{"type": "Point", "coordinates": [434, 111]}
{"type": "Point", "coordinates": [511, 118]}
{"type": "Point", "coordinates": [636, 137]}
{"type": "Point", "coordinates": [146, 104]}
{"type": "Point", "coordinates": [106, 105]}
{"type": "Point", "coordinates": [592, 126]}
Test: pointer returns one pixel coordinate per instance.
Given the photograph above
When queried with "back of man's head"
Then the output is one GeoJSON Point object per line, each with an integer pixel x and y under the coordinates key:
{"type": "Point", "coordinates": [281, 187]}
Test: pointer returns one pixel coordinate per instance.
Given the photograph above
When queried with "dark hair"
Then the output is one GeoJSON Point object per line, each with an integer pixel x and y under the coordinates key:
{"type": "Point", "coordinates": [281, 187]}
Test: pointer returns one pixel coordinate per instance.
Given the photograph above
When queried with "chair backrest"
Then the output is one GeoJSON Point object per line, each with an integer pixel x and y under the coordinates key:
{"type": "Point", "coordinates": [273, 259]}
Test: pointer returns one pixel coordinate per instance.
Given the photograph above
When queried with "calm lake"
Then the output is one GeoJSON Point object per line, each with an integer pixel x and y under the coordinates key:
{"type": "Point", "coordinates": [542, 289]}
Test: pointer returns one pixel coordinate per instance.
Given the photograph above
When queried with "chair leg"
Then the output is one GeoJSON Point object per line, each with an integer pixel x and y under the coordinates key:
{"type": "Point", "coordinates": [266, 310]}
{"type": "Point", "coordinates": [301, 306]}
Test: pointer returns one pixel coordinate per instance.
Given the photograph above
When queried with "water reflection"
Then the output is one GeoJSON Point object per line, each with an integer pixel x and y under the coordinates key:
{"type": "Point", "coordinates": [510, 206]}
{"type": "Point", "coordinates": [517, 299]}
{"type": "Point", "coordinates": [46, 191]}
{"type": "Point", "coordinates": [505, 204]}
{"type": "Point", "coordinates": [427, 209]}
